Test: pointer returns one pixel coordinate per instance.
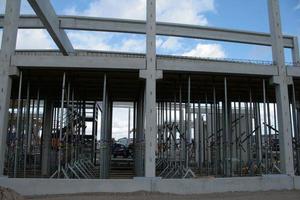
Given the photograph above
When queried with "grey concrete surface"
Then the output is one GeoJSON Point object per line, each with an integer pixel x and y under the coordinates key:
{"type": "Point", "coordinates": [175, 186]}
{"type": "Point", "coordinates": [271, 195]}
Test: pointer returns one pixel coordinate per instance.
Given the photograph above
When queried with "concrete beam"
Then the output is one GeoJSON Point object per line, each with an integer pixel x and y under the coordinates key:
{"type": "Point", "coordinates": [137, 62]}
{"type": "Point", "coordinates": [8, 47]}
{"type": "Point", "coordinates": [211, 66]}
{"type": "Point", "coordinates": [293, 72]}
{"type": "Point", "coordinates": [47, 15]}
{"type": "Point", "coordinates": [167, 29]}
{"type": "Point", "coordinates": [79, 62]}
{"type": "Point", "coordinates": [295, 52]}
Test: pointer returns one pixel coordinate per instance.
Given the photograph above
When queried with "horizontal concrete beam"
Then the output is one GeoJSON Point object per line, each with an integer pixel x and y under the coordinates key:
{"type": "Point", "coordinates": [47, 15]}
{"type": "Point", "coordinates": [137, 62]}
{"type": "Point", "coordinates": [175, 186]}
{"type": "Point", "coordinates": [167, 29]}
{"type": "Point", "coordinates": [79, 62]}
{"type": "Point", "coordinates": [211, 66]}
{"type": "Point", "coordinates": [293, 71]}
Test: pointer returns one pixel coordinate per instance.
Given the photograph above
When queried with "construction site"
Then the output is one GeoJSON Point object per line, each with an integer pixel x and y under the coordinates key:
{"type": "Point", "coordinates": [195, 125]}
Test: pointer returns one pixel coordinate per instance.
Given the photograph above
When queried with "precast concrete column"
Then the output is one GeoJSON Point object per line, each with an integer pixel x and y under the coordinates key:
{"type": "Point", "coordinates": [281, 85]}
{"type": "Point", "coordinates": [105, 138]}
{"type": "Point", "coordinates": [150, 74]}
{"type": "Point", "coordinates": [9, 38]}
{"type": "Point", "coordinates": [46, 140]}
{"type": "Point", "coordinates": [140, 138]}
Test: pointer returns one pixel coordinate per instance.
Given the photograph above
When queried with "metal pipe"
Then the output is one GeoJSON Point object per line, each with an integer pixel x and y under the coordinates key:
{"type": "Point", "coordinates": [182, 138]}
{"type": "Point", "coordinates": [68, 126]}
{"type": "Point", "coordinates": [225, 157]}
{"type": "Point", "coordinates": [188, 122]}
{"type": "Point", "coordinates": [265, 126]}
{"type": "Point", "coordinates": [37, 127]}
{"type": "Point", "coordinates": [296, 129]}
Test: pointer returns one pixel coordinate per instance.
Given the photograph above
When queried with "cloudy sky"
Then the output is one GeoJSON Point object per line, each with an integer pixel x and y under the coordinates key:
{"type": "Point", "coordinates": [237, 14]}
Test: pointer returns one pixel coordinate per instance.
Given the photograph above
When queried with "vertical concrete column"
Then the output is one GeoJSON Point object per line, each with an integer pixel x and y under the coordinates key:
{"type": "Point", "coordinates": [46, 148]}
{"type": "Point", "coordinates": [150, 74]}
{"type": "Point", "coordinates": [104, 140]}
{"type": "Point", "coordinates": [9, 38]}
{"type": "Point", "coordinates": [281, 81]}
{"type": "Point", "coordinates": [140, 138]}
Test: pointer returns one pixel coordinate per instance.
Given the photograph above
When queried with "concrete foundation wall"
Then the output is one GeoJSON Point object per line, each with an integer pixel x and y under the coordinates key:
{"type": "Point", "coordinates": [176, 186]}
{"type": "Point", "coordinates": [297, 182]}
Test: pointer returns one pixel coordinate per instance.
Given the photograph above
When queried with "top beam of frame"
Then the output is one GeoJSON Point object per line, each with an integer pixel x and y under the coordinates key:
{"type": "Point", "coordinates": [49, 19]}
{"type": "Point", "coordinates": [167, 29]}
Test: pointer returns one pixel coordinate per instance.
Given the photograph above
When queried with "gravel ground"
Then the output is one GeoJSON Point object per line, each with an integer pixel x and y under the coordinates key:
{"type": "Point", "coordinates": [272, 195]}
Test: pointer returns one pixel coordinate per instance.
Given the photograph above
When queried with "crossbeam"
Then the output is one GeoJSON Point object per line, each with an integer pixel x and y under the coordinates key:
{"type": "Point", "coordinates": [78, 62]}
{"type": "Point", "coordinates": [49, 19]}
{"type": "Point", "coordinates": [125, 61]}
{"type": "Point", "coordinates": [166, 29]}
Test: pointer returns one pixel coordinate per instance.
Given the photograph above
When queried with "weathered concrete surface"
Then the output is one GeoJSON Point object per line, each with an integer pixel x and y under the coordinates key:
{"type": "Point", "coordinates": [72, 186]}
{"type": "Point", "coordinates": [297, 182]}
{"type": "Point", "coordinates": [212, 185]}
{"type": "Point", "coordinates": [175, 186]}
{"type": "Point", "coordinates": [270, 195]}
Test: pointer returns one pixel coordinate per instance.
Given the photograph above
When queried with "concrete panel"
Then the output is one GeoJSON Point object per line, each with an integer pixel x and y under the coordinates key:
{"type": "Point", "coordinates": [213, 185]}
{"type": "Point", "coordinates": [297, 182]}
{"type": "Point", "coordinates": [175, 186]}
{"type": "Point", "coordinates": [72, 186]}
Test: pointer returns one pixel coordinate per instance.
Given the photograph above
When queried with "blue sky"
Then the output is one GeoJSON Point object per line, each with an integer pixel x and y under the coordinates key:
{"type": "Point", "coordinates": [249, 15]}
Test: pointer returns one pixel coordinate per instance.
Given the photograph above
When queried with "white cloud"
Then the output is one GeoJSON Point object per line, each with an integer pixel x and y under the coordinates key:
{"type": "Point", "coordinates": [176, 11]}
{"type": "Point", "coordinates": [260, 53]}
{"type": "Point", "coordinates": [34, 39]}
{"type": "Point", "coordinates": [297, 7]}
{"type": "Point", "coordinates": [171, 44]}
{"type": "Point", "coordinates": [206, 50]}
{"type": "Point", "coordinates": [131, 9]}
{"type": "Point", "coordinates": [120, 122]}
{"type": "Point", "coordinates": [187, 12]}
{"type": "Point", "coordinates": [105, 41]}
{"type": "Point", "coordinates": [89, 40]}
{"type": "Point", "coordinates": [132, 45]}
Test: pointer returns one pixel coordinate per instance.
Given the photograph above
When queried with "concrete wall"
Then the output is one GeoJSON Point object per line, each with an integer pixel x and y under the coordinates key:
{"type": "Point", "coordinates": [176, 186]}
{"type": "Point", "coordinates": [297, 182]}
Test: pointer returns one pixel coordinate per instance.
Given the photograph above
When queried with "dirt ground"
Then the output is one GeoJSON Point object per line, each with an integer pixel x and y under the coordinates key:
{"type": "Point", "coordinates": [272, 195]}
{"type": "Point", "coordinates": [8, 194]}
